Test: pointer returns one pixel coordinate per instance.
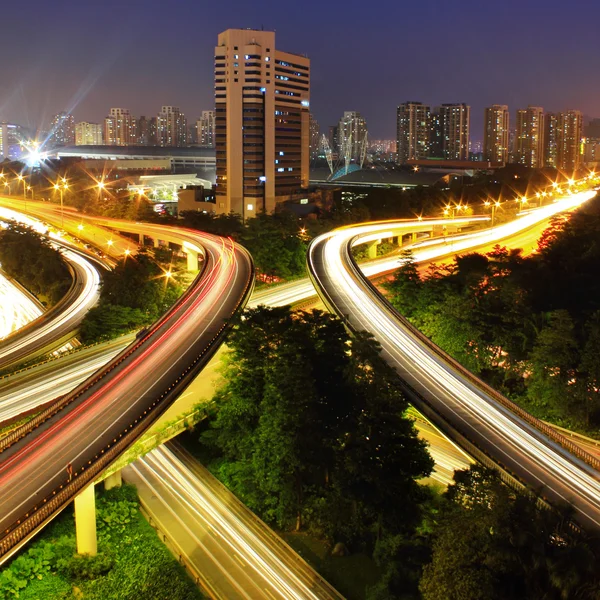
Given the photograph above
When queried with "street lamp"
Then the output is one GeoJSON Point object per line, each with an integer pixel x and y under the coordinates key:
{"type": "Point", "coordinates": [494, 206]}
{"type": "Point", "coordinates": [61, 189]}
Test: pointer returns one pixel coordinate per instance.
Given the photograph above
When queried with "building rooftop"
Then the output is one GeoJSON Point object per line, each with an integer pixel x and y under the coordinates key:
{"type": "Point", "coordinates": [378, 177]}
{"type": "Point", "coordinates": [136, 151]}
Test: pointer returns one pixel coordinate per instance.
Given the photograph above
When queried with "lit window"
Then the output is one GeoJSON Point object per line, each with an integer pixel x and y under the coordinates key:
{"type": "Point", "coordinates": [281, 154]}
{"type": "Point", "coordinates": [267, 58]}
{"type": "Point", "coordinates": [277, 162]}
{"type": "Point", "coordinates": [290, 169]}
{"type": "Point", "coordinates": [236, 56]}
{"type": "Point", "coordinates": [280, 170]}
{"type": "Point", "coordinates": [250, 206]}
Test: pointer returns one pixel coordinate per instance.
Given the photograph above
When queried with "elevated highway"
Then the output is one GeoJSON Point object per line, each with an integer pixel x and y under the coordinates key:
{"type": "Point", "coordinates": [90, 427]}
{"type": "Point", "coordinates": [484, 423]}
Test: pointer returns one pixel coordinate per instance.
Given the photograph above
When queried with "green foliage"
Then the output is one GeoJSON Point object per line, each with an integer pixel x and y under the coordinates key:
{"type": "Point", "coordinates": [310, 428]}
{"type": "Point", "coordinates": [33, 262]}
{"type": "Point", "coordinates": [134, 294]}
{"type": "Point", "coordinates": [229, 225]}
{"type": "Point", "coordinates": [81, 567]}
{"type": "Point", "coordinates": [113, 516]}
{"type": "Point", "coordinates": [494, 544]}
{"type": "Point", "coordinates": [528, 326]}
{"type": "Point", "coordinates": [276, 245]}
{"type": "Point", "coordinates": [132, 563]}
{"type": "Point", "coordinates": [108, 321]}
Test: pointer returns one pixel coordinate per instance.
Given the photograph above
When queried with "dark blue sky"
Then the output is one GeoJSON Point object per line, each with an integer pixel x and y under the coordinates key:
{"type": "Point", "coordinates": [88, 55]}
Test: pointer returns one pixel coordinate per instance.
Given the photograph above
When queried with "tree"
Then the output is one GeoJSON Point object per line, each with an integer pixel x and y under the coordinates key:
{"type": "Point", "coordinates": [309, 429]}
{"type": "Point", "coordinates": [494, 543]}
{"type": "Point", "coordinates": [404, 289]}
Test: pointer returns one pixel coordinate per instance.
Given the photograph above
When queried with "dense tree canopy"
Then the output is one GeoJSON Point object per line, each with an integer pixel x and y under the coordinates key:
{"type": "Point", "coordinates": [34, 263]}
{"type": "Point", "coordinates": [310, 428]}
{"type": "Point", "coordinates": [135, 293]}
{"type": "Point", "coordinates": [493, 544]}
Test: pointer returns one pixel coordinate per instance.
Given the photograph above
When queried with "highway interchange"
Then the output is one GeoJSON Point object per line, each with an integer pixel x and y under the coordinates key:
{"type": "Point", "coordinates": [299, 291]}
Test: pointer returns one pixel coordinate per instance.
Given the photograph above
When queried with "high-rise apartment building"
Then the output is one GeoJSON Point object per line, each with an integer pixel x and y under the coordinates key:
{"type": "Point", "coordinates": [205, 127]}
{"type": "Point", "coordinates": [352, 136]}
{"type": "Point", "coordinates": [62, 130]}
{"type": "Point", "coordinates": [11, 140]}
{"type": "Point", "coordinates": [413, 131]}
{"type": "Point", "coordinates": [496, 133]}
{"type": "Point", "coordinates": [550, 139]}
{"type": "Point", "coordinates": [171, 127]}
{"type": "Point", "coordinates": [455, 121]}
{"type": "Point", "coordinates": [120, 128]}
{"type": "Point", "coordinates": [262, 122]}
{"type": "Point", "coordinates": [88, 134]}
{"type": "Point", "coordinates": [569, 134]}
{"type": "Point", "coordinates": [314, 137]}
{"type": "Point", "coordinates": [436, 133]}
{"type": "Point", "coordinates": [146, 131]}
{"type": "Point", "coordinates": [592, 129]}
{"type": "Point", "coordinates": [529, 137]}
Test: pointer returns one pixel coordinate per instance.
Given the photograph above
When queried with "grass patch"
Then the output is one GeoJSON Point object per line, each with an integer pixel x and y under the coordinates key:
{"type": "Point", "coordinates": [139, 564]}
{"type": "Point", "coordinates": [350, 575]}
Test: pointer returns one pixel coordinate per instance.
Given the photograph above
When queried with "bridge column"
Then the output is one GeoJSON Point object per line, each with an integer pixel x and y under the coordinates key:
{"type": "Point", "coordinates": [192, 259]}
{"type": "Point", "coordinates": [113, 480]}
{"type": "Point", "coordinates": [413, 237]}
{"type": "Point", "coordinates": [372, 248]}
{"type": "Point", "coordinates": [85, 521]}
{"type": "Point", "coordinates": [156, 242]}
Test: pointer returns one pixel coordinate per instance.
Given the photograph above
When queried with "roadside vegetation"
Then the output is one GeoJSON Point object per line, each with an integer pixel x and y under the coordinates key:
{"type": "Point", "coordinates": [132, 562]}
{"type": "Point", "coordinates": [310, 431]}
{"type": "Point", "coordinates": [30, 259]}
{"type": "Point", "coordinates": [133, 295]}
{"type": "Point", "coordinates": [530, 327]}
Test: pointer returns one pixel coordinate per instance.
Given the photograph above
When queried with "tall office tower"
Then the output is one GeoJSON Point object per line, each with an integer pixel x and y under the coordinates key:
{"type": "Point", "coordinates": [455, 121]}
{"type": "Point", "coordinates": [550, 139]}
{"type": "Point", "coordinates": [413, 131]}
{"type": "Point", "coordinates": [262, 128]}
{"type": "Point", "coordinates": [436, 133]}
{"type": "Point", "coordinates": [62, 130]}
{"type": "Point", "coordinates": [171, 127]}
{"type": "Point", "coordinates": [496, 133]}
{"type": "Point", "coordinates": [120, 128]}
{"type": "Point", "coordinates": [352, 136]}
{"type": "Point", "coordinates": [569, 134]}
{"type": "Point", "coordinates": [88, 134]}
{"type": "Point", "coordinates": [314, 138]}
{"type": "Point", "coordinates": [529, 137]}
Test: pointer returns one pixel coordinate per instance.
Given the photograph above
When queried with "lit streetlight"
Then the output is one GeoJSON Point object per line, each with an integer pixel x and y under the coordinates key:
{"type": "Point", "coordinates": [62, 188]}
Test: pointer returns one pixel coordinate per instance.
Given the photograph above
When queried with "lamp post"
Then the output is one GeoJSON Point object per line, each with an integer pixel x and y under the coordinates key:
{"type": "Point", "coordinates": [22, 180]}
{"type": "Point", "coordinates": [61, 188]}
{"type": "Point", "coordinates": [494, 206]}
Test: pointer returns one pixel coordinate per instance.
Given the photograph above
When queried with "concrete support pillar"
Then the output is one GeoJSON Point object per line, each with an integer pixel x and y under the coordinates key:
{"type": "Point", "coordinates": [141, 239]}
{"type": "Point", "coordinates": [192, 259]}
{"type": "Point", "coordinates": [85, 521]}
{"type": "Point", "coordinates": [372, 249]}
{"type": "Point", "coordinates": [413, 237]}
{"type": "Point", "coordinates": [156, 242]}
{"type": "Point", "coordinates": [113, 480]}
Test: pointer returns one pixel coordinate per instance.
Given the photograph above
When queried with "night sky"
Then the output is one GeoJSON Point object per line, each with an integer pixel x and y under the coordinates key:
{"type": "Point", "coordinates": [86, 56]}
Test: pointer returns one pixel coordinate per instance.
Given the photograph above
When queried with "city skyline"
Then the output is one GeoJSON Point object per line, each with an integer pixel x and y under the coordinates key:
{"type": "Point", "coordinates": [145, 71]}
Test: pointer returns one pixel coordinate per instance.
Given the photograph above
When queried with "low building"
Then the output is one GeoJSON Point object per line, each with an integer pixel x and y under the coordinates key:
{"type": "Point", "coordinates": [199, 161]}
